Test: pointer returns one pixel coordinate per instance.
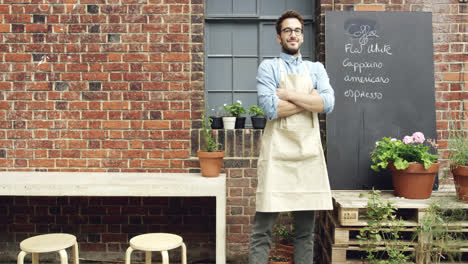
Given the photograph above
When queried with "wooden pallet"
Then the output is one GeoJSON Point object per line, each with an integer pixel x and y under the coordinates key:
{"type": "Point", "coordinates": [337, 243]}
{"type": "Point", "coordinates": [351, 206]}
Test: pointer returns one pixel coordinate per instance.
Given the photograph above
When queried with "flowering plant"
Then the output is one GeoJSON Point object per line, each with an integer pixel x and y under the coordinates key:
{"type": "Point", "coordinates": [401, 153]}
{"type": "Point", "coordinates": [235, 109]}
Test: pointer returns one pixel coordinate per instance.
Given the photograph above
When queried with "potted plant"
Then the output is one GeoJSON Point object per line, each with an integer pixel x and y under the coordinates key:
{"type": "Point", "coordinates": [284, 231]}
{"type": "Point", "coordinates": [209, 155]}
{"type": "Point", "coordinates": [412, 167]}
{"type": "Point", "coordinates": [458, 157]}
{"type": "Point", "coordinates": [233, 115]}
{"type": "Point", "coordinates": [217, 120]}
{"type": "Point", "coordinates": [279, 255]}
{"type": "Point", "coordinates": [257, 116]}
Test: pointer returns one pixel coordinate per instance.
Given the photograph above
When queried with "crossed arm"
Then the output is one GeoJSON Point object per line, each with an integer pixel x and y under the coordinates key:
{"type": "Point", "coordinates": [292, 102]}
{"type": "Point", "coordinates": [281, 102]}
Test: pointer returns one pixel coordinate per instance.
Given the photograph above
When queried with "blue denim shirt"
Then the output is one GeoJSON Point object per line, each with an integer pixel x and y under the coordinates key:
{"type": "Point", "coordinates": [268, 79]}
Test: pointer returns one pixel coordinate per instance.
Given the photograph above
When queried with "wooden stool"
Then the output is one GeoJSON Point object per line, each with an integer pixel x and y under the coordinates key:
{"type": "Point", "coordinates": [156, 242]}
{"type": "Point", "coordinates": [48, 243]}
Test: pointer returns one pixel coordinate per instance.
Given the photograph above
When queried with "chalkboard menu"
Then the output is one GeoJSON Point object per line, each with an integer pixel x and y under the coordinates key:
{"type": "Point", "coordinates": [381, 68]}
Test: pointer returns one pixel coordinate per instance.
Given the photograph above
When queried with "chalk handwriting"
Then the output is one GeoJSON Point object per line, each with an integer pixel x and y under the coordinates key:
{"type": "Point", "coordinates": [361, 65]}
{"type": "Point", "coordinates": [363, 94]}
{"type": "Point", "coordinates": [367, 79]}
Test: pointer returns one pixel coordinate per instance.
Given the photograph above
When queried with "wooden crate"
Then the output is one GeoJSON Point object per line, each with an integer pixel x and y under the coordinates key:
{"type": "Point", "coordinates": [336, 240]}
{"type": "Point", "coordinates": [350, 206]}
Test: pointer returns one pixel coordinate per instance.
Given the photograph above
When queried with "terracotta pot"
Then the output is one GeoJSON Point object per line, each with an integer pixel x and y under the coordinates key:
{"type": "Point", "coordinates": [288, 259]}
{"type": "Point", "coordinates": [287, 248]}
{"type": "Point", "coordinates": [460, 176]}
{"type": "Point", "coordinates": [415, 182]}
{"type": "Point", "coordinates": [210, 162]}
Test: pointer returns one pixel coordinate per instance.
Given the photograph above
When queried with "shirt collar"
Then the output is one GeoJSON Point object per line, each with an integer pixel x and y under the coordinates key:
{"type": "Point", "coordinates": [290, 59]}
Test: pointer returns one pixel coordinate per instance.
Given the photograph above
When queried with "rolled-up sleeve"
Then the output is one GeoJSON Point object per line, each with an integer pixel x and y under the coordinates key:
{"type": "Point", "coordinates": [324, 88]}
{"type": "Point", "coordinates": [266, 89]}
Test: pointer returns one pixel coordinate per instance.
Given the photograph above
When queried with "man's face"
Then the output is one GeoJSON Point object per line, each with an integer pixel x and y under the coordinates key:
{"type": "Point", "coordinates": [290, 43]}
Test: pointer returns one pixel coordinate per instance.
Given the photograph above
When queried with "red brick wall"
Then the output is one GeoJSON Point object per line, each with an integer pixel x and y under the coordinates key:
{"type": "Point", "coordinates": [90, 86]}
{"type": "Point", "coordinates": [118, 86]}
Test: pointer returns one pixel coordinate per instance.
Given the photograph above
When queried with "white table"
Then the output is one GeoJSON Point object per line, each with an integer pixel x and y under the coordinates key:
{"type": "Point", "coordinates": [21, 183]}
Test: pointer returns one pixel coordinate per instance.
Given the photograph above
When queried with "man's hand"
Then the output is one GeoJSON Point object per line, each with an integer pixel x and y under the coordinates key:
{"type": "Point", "coordinates": [282, 94]}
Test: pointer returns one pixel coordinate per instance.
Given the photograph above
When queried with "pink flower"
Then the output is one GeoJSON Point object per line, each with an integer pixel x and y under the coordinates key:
{"type": "Point", "coordinates": [393, 139]}
{"type": "Point", "coordinates": [408, 140]}
{"type": "Point", "coordinates": [418, 137]}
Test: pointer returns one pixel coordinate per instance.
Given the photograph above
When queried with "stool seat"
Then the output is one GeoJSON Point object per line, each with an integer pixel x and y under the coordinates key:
{"type": "Point", "coordinates": [47, 243]}
{"type": "Point", "coordinates": [56, 242]}
{"type": "Point", "coordinates": [156, 242]}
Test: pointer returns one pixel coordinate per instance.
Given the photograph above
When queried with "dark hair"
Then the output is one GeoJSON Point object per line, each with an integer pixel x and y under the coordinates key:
{"type": "Point", "coordinates": [288, 14]}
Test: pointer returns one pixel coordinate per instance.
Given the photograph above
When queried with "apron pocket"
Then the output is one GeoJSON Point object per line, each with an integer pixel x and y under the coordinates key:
{"type": "Point", "coordinates": [294, 145]}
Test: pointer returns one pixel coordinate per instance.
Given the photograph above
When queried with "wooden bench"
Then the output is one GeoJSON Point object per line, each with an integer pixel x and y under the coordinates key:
{"type": "Point", "coordinates": [28, 183]}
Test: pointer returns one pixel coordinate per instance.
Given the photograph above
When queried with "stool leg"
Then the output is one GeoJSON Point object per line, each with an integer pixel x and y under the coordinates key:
{"type": "Point", "coordinates": [128, 254]}
{"type": "Point", "coordinates": [184, 254]}
{"type": "Point", "coordinates": [148, 257]}
{"type": "Point", "coordinates": [20, 259]}
{"type": "Point", "coordinates": [165, 257]}
{"type": "Point", "coordinates": [35, 258]}
{"type": "Point", "coordinates": [75, 254]}
{"type": "Point", "coordinates": [63, 256]}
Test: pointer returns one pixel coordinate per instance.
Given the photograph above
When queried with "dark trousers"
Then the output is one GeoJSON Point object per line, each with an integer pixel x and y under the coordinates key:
{"type": "Point", "coordinates": [260, 239]}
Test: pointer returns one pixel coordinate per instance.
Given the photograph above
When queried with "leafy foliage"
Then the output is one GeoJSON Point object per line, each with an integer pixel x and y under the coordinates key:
{"type": "Point", "coordinates": [208, 142]}
{"type": "Point", "coordinates": [457, 145]}
{"type": "Point", "coordinates": [440, 237]}
{"type": "Point", "coordinates": [235, 109]}
{"type": "Point", "coordinates": [400, 153]}
{"type": "Point", "coordinates": [255, 110]}
{"type": "Point", "coordinates": [383, 229]}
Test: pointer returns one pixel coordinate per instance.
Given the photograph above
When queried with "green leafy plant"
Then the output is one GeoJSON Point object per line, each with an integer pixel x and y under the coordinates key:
{"type": "Point", "coordinates": [235, 109]}
{"type": "Point", "coordinates": [282, 234]}
{"type": "Point", "coordinates": [208, 141]}
{"type": "Point", "coordinates": [383, 230]}
{"type": "Point", "coordinates": [284, 229]}
{"type": "Point", "coordinates": [255, 110]}
{"type": "Point", "coordinates": [402, 152]}
{"type": "Point", "coordinates": [457, 145]}
{"type": "Point", "coordinates": [438, 234]}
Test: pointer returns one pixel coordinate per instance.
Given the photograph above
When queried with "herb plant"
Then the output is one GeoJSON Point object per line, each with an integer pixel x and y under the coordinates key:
{"type": "Point", "coordinates": [208, 141]}
{"type": "Point", "coordinates": [383, 230]}
{"type": "Point", "coordinates": [255, 110]}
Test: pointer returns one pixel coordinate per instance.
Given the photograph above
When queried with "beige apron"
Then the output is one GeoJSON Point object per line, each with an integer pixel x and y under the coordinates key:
{"type": "Point", "coordinates": [292, 174]}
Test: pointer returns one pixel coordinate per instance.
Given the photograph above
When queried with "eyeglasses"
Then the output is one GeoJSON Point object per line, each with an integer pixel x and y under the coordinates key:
{"type": "Point", "coordinates": [289, 31]}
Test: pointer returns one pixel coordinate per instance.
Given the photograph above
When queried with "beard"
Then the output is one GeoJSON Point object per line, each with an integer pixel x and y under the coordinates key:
{"type": "Point", "coordinates": [288, 50]}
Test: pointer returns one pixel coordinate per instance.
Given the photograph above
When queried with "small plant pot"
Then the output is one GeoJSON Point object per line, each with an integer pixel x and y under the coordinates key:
{"type": "Point", "coordinates": [217, 122]}
{"type": "Point", "coordinates": [229, 122]}
{"type": "Point", "coordinates": [415, 182]}
{"type": "Point", "coordinates": [240, 122]}
{"type": "Point", "coordinates": [460, 177]}
{"type": "Point", "coordinates": [210, 162]}
{"type": "Point", "coordinates": [284, 257]}
{"type": "Point", "coordinates": [258, 122]}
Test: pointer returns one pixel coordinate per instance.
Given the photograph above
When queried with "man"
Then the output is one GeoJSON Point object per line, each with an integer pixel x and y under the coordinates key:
{"type": "Point", "coordinates": [292, 173]}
